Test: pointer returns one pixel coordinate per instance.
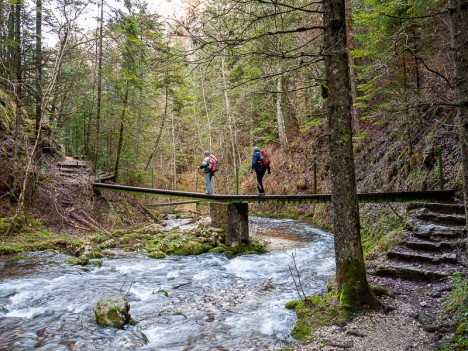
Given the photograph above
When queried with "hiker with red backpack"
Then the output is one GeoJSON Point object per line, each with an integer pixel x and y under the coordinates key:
{"type": "Point", "coordinates": [210, 166]}
{"type": "Point", "coordinates": [260, 164]}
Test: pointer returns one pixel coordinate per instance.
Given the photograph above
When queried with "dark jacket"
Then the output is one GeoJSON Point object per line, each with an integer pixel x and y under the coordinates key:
{"type": "Point", "coordinates": [256, 164]}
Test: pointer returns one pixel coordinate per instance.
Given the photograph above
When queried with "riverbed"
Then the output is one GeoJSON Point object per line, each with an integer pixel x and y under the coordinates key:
{"type": "Point", "coordinates": [203, 302]}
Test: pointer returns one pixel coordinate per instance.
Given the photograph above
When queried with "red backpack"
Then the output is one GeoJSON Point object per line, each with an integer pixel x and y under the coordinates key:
{"type": "Point", "coordinates": [264, 158]}
{"type": "Point", "coordinates": [213, 166]}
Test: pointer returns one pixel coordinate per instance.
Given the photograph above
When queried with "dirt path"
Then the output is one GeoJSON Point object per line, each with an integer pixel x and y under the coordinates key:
{"type": "Point", "coordinates": [415, 272]}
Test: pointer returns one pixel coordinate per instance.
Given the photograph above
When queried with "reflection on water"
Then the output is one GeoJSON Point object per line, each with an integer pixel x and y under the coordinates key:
{"type": "Point", "coordinates": [213, 303]}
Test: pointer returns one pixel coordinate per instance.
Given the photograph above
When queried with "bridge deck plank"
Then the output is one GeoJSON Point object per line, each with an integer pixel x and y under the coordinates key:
{"type": "Point", "coordinates": [406, 196]}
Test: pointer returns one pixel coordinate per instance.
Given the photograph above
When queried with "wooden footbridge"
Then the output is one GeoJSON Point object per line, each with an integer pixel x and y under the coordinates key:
{"type": "Point", "coordinates": [231, 211]}
{"type": "Point", "coordinates": [399, 196]}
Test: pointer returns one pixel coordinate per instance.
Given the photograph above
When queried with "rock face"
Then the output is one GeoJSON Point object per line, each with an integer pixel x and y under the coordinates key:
{"type": "Point", "coordinates": [113, 312]}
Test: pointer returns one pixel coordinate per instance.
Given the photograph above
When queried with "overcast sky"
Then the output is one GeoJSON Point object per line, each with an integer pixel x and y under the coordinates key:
{"type": "Point", "coordinates": [165, 8]}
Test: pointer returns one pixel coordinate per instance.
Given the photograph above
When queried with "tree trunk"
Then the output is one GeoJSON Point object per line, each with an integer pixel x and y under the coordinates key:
{"type": "Point", "coordinates": [279, 112]}
{"type": "Point", "coordinates": [174, 163]}
{"type": "Point", "coordinates": [38, 62]}
{"type": "Point", "coordinates": [121, 131]}
{"type": "Point", "coordinates": [351, 278]}
{"type": "Point", "coordinates": [161, 128]}
{"type": "Point", "coordinates": [99, 92]}
{"type": "Point", "coordinates": [231, 126]}
{"type": "Point", "coordinates": [352, 73]}
{"type": "Point", "coordinates": [17, 63]}
{"type": "Point", "coordinates": [459, 35]}
{"type": "Point", "coordinates": [2, 37]}
{"type": "Point", "coordinates": [208, 120]}
{"type": "Point", "coordinates": [407, 124]}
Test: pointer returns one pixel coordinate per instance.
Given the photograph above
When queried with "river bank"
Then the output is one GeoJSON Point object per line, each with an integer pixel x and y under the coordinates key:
{"type": "Point", "coordinates": [199, 302]}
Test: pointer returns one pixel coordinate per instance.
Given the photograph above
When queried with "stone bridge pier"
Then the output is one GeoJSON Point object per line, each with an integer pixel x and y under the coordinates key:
{"type": "Point", "coordinates": [234, 219]}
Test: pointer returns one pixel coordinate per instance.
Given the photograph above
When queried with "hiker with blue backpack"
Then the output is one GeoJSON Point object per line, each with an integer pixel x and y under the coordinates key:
{"type": "Point", "coordinates": [260, 164]}
{"type": "Point", "coordinates": [210, 166]}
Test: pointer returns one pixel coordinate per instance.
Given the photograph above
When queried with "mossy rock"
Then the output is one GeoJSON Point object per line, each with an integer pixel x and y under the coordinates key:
{"type": "Point", "coordinates": [252, 247]}
{"type": "Point", "coordinates": [77, 261]}
{"type": "Point", "coordinates": [96, 263]}
{"type": "Point", "coordinates": [178, 244]}
{"type": "Point", "coordinates": [157, 254]}
{"type": "Point", "coordinates": [109, 244]}
{"type": "Point", "coordinates": [89, 251]}
{"type": "Point", "coordinates": [152, 229]}
{"type": "Point", "coordinates": [113, 312]}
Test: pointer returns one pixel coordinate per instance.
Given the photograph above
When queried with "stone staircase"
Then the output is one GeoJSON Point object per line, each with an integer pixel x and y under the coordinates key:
{"type": "Point", "coordinates": [72, 165]}
{"type": "Point", "coordinates": [434, 247]}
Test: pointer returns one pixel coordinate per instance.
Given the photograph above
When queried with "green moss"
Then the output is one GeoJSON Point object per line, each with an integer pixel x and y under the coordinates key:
{"type": "Point", "coordinates": [253, 246]}
{"type": "Point", "coordinates": [380, 229]}
{"type": "Point", "coordinates": [324, 91]}
{"type": "Point", "coordinates": [18, 258]}
{"type": "Point", "coordinates": [164, 292]}
{"type": "Point", "coordinates": [455, 310]}
{"type": "Point", "coordinates": [291, 305]}
{"type": "Point", "coordinates": [97, 263]}
{"type": "Point", "coordinates": [300, 331]}
{"type": "Point", "coordinates": [99, 238]}
{"type": "Point", "coordinates": [317, 311]}
{"type": "Point", "coordinates": [157, 254]}
{"type": "Point", "coordinates": [79, 261]}
{"type": "Point", "coordinates": [22, 225]}
{"type": "Point", "coordinates": [38, 240]}
{"type": "Point", "coordinates": [346, 297]}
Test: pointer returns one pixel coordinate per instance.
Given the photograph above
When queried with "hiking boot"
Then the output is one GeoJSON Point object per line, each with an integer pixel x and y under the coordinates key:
{"type": "Point", "coordinates": [261, 194]}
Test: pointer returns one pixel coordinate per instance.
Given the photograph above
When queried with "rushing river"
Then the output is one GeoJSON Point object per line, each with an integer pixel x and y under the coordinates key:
{"type": "Point", "coordinates": [205, 302]}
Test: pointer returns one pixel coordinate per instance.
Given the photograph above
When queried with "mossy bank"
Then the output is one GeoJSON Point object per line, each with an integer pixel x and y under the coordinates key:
{"type": "Point", "coordinates": [154, 240]}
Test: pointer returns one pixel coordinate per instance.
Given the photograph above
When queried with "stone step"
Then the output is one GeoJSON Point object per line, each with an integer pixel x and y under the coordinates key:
{"type": "Point", "coordinates": [439, 246]}
{"type": "Point", "coordinates": [449, 219]}
{"type": "Point", "coordinates": [437, 232]}
{"type": "Point", "coordinates": [408, 255]}
{"type": "Point", "coordinates": [68, 170]}
{"type": "Point", "coordinates": [438, 207]}
{"type": "Point", "coordinates": [72, 164]}
{"type": "Point", "coordinates": [408, 271]}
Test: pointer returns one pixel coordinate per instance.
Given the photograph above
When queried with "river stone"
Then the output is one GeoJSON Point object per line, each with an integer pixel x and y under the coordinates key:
{"type": "Point", "coordinates": [108, 244]}
{"type": "Point", "coordinates": [157, 254]}
{"type": "Point", "coordinates": [153, 229]}
{"type": "Point", "coordinates": [79, 261]}
{"type": "Point", "coordinates": [89, 251]}
{"type": "Point", "coordinates": [113, 311]}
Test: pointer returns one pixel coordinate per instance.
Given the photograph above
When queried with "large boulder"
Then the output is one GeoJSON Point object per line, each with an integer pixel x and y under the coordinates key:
{"type": "Point", "coordinates": [113, 312]}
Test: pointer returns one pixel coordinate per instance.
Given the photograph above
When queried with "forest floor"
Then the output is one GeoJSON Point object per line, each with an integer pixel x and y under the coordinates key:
{"type": "Point", "coordinates": [399, 329]}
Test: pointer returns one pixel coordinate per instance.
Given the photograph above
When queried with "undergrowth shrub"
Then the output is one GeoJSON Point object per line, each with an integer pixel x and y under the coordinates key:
{"type": "Point", "coordinates": [455, 309]}
{"type": "Point", "coordinates": [381, 226]}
